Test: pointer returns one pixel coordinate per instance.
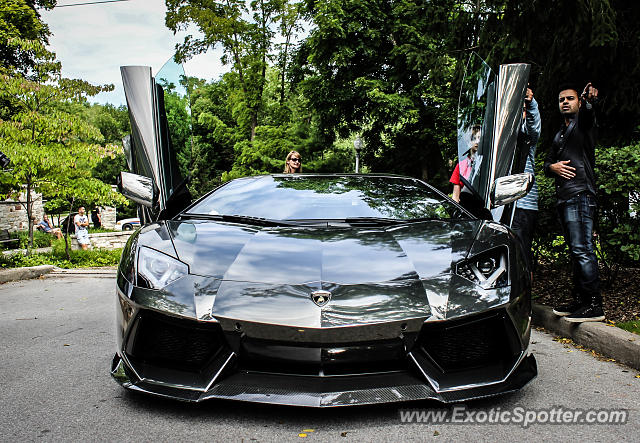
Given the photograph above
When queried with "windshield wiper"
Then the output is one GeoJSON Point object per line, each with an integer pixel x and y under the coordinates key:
{"type": "Point", "coordinates": [422, 219]}
{"type": "Point", "coordinates": [380, 221]}
{"type": "Point", "coordinates": [372, 221]}
{"type": "Point", "coordinates": [246, 219]}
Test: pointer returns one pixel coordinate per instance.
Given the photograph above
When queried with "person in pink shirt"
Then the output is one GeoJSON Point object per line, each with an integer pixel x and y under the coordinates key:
{"type": "Point", "coordinates": [463, 168]}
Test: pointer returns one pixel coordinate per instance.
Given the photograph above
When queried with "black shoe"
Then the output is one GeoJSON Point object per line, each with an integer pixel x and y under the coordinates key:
{"type": "Point", "coordinates": [567, 309]}
{"type": "Point", "coordinates": [586, 313]}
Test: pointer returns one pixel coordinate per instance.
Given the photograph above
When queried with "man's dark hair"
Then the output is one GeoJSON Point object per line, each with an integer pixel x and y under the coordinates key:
{"type": "Point", "coordinates": [569, 85]}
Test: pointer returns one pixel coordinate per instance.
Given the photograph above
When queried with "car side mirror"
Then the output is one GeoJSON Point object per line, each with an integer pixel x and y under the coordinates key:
{"type": "Point", "coordinates": [138, 188]}
{"type": "Point", "coordinates": [511, 188]}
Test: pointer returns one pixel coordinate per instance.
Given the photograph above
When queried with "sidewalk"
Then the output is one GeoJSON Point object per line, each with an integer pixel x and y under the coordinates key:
{"type": "Point", "coordinates": [15, 274]}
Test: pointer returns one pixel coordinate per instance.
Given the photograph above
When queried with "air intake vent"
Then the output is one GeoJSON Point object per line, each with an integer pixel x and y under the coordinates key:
{"type": "Point", "coordinates": [470, 343]}
{"type": "Point", "coordinates": [174, 343]}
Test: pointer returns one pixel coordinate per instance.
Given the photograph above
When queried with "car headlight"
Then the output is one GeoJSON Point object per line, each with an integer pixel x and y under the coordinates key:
{"type": "Point", "coordinates": [156, 270]}
{"type": "Point", "coordinates": [489, 269]}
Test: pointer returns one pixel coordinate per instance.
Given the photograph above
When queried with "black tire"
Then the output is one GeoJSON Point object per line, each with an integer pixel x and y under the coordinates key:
{"type": "Point", "coordinates": [127, 227]}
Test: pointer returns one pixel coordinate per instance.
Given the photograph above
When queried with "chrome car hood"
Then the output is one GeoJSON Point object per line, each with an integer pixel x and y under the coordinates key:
{"type": "Point", "coordinates": [260, 274]}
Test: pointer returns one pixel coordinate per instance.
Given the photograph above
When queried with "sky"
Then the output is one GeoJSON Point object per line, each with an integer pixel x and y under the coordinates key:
{"type": "Point", "coordinates": [93, 41]}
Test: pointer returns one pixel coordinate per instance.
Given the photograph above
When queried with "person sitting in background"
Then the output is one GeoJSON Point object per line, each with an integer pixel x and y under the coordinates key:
{"type": "Point", "coordinates": [47, 226]}
{"type": "Point", "coordinates": [293, 164]}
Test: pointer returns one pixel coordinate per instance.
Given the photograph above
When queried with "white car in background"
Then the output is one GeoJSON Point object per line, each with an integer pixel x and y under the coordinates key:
{"type": "Point", "coordinates": [127, 224]}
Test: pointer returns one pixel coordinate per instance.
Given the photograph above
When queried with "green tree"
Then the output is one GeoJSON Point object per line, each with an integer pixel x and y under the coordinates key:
{"type": "Point", "coordinates": [112, 122]}
{"type": "Point", "coordinates": [20, 20]}
{"type": "Point", "coordinates": [177, 110]}
{"type": "Point", "coordinates": [221, 150]}
{"type": "Point", "coordinates": [618, 175]}
{"type": "Point", "coordinates": [383, 69]}
{"type": "Point", "coordinates": [586, 41]}
{"type": "Point", "coordinates": [51, 150]}
{"type": "Point", "coordinates": [246, 32]}
{"type": "Point", "coordinates": [215, 133]}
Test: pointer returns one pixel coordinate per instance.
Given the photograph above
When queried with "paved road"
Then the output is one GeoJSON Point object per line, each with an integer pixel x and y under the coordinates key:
{"type": "Point", "coordinates": [57, 340]}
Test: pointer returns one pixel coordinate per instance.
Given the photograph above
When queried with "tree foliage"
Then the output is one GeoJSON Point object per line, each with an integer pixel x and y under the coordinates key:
{"type": "Point", "coordinates": [385, 70]}
{"type": "Point", "coordinates": [51, 149]}
{"type": "Point", "coordinates": [245, 31]}
{"type": "Point", "coordinates": [587, 41]}
{"type": "Point", "coordinates": [19, 22]}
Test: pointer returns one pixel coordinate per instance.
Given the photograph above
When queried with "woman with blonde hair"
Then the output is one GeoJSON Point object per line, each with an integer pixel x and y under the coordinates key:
{"type": "Point", "coordinates": [293, 163]}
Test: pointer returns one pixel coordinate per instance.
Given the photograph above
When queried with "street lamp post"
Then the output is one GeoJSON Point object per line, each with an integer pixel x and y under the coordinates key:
{"type": "Point", "coordinates": [357, 145]}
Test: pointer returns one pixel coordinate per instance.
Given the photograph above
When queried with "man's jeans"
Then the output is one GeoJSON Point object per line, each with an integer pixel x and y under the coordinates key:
{"type": "Point", "coordinates": [523, 225]}
{"type": "Point", "coordinates": [577, 215]}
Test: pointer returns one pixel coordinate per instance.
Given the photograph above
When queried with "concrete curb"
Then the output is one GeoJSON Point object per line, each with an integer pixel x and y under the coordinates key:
{"type": "Point", "coordinates": [613, 342]}
{"type": "Point", "coordinates": [104, 272]}
{"type": "Point", "coordinates": [14, 274]}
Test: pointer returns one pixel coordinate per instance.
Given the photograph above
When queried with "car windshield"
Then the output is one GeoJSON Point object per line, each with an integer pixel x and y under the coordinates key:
{"type": "Point", "coordinates": [317, 197]}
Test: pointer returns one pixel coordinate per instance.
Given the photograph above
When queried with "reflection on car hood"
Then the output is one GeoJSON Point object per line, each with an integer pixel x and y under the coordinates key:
{"type": "Point", "coordinates": [262, 274]}
{"type": "Point", "coordinates": [299, 255]}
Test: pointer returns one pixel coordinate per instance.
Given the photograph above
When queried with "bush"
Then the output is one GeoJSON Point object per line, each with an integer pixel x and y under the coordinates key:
{"type": "Point", "coordinates": [618, 176]}
{"type": "Point", "coordinates": [40, 239]}
{"type": "Point", "coordinates": [57, 257]}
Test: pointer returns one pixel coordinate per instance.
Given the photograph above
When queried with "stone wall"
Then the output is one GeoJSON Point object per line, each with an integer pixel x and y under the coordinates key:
{"type": "Point", "coordinates": [108, 217]}
{"type": "Point", "coordinates": [13, 215]}
{"type": "Point", "coordinates": [105, 240]}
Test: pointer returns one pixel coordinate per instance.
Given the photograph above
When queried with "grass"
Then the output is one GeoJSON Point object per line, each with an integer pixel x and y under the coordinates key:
{"type": "Point", "coordinates": [631, 326]}
{"type": "Point", "coordinates": [99, 230]}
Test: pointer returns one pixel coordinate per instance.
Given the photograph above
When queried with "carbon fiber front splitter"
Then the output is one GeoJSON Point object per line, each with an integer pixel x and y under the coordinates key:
{"type": "Point", "coordinates": [325, 391]}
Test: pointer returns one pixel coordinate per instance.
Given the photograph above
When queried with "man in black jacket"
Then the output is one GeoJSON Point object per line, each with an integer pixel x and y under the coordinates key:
{"type": "Point", "coordinates": [571, 162]}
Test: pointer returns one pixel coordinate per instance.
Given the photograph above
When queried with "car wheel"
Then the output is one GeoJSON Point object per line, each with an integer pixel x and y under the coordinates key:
{"type": "Point", "coordinates": [127, 227]}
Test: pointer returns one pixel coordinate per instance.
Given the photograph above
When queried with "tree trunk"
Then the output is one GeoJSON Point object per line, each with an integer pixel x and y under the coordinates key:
{"type": "Point", "coordinates": [254, 123]}
{"type": "Point", "coordinates": [29, 216]}
{"type": "Point", "coordinates": [284, 68]}
{"type": "Point", "coordinates": [66, 234]}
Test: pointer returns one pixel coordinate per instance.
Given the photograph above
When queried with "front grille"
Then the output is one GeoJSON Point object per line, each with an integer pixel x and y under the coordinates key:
{"type": "Point", "coordinates": [174, 343]}
{"type": "Point", "coordinates": [470, 343]}
{"type": "Point", "coordinates": [322, 359]}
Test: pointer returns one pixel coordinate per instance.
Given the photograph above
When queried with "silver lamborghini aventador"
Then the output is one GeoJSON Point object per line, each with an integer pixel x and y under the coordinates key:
{"type": "Point", "coordinates": [371, 288]}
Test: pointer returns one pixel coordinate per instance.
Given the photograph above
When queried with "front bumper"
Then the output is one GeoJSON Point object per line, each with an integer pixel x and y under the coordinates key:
{"type": "Point", "coordinates": [317, 392]}
{"type": "Point", "coordinates": [450, 361]}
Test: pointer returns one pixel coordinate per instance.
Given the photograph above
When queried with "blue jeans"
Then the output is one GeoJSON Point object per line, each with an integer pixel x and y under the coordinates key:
{"type": "Point", "coordinates": [577, 215]}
